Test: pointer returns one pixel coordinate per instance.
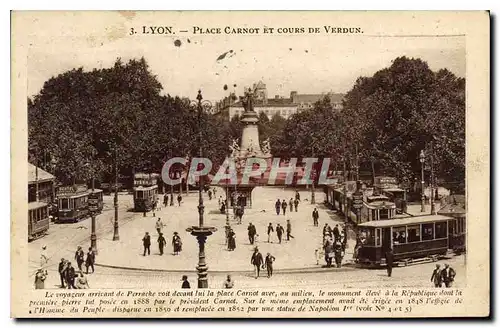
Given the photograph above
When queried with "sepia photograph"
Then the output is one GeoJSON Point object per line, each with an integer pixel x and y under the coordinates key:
{"type": "Point", "coordinates": [312, 160]}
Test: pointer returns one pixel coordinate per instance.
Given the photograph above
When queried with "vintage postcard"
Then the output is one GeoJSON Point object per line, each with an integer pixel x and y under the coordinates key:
{"type": "Point", "coordinates": [275, 164]}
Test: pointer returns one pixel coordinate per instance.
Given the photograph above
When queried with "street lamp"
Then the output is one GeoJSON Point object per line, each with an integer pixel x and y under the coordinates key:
{"type": "Point", "coordinates": [422, 161]}
{"type": "Point", "coordinates": [93, 236]}
{"type": "Point", "coordinates": [116, 235]}
{"type": "Point", "coordinates": [201, 232]}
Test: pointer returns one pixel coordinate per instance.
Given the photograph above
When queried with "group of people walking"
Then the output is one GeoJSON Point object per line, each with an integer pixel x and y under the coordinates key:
{"type": "Point", "coordinates": [162, 242]}
{"type": "Point", "coordinates": [259, 262]}
{"type": "Point", "coordinates": [334, 244]}
{"type": "Point", "coordinates": [444, 276]}
{"type": "Point", "coordinates": [282, 205]}
{"type": "Point", "coordinates": [166, 198]}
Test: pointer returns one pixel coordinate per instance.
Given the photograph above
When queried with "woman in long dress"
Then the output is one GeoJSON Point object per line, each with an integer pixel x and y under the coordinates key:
{"type": "Point", "coordinates": [176, 243]}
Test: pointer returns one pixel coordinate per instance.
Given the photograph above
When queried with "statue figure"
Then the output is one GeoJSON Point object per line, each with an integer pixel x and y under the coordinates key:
{"type": "Point", "coordinates": [266, 146]}
{"type": "Point", "coordinates": [247, 101]}
{"type": "Point", "coordinates": [234, 148]}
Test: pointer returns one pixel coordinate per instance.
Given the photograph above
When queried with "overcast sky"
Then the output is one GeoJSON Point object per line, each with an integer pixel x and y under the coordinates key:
{"type": "Point", "coordinates": [302, 63]}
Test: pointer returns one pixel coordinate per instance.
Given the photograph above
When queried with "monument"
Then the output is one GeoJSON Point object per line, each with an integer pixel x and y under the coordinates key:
{"type": "Point", "coordinates": [248, 147]}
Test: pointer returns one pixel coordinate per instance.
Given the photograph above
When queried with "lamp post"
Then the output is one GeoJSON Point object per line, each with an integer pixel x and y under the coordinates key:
{"type": "Point", "coordinates": [93, 236]}
{"type": "Point", "coordinates": [201, 232]}
{"type": "Point", "coordinates": [422, 198]}
{"type": "Point", "coordinates": [116, 235]}
{"type": "Point", "coordinates": [433, 206]}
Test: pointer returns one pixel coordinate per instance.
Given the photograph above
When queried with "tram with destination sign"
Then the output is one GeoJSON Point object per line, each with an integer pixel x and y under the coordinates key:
{"type": "Point", "coordinates": [96, 202]}
{"type": "Point", "coordinates": [72, 203]}
{"type": "Point", "coordinates": [38, 219]}
{"type": "Point", "coordinates": [412, 239]}
{"type": "Point", "coordinates": [388, 186]}
{"type": "Point", "coordinates": [145, 191]}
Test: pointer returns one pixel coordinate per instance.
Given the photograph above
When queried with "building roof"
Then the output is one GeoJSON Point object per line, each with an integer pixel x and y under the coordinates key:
{"type": "Point", "coordinates": [312, 98]}
{"type": "Point", "coordinates": [42, 174]}
{"type": "Point", "coordinates": [404, 221]}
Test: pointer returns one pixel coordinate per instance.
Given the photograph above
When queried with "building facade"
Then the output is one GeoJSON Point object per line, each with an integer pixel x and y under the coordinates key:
{"type": "Point", "coordinates": [42, 183]}
{"type": "Point", "coordinates": [277, 105]}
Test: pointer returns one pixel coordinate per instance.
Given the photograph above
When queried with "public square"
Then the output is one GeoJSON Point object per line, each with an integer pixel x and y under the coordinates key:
{"type": "Point", "coordinates": [295, 263]}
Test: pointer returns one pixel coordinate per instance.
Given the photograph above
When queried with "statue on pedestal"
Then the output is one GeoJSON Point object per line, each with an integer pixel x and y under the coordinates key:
{"type": "Point", "coordinates": [247, 101]}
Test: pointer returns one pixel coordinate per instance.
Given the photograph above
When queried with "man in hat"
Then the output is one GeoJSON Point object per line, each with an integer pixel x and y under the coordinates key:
{"type": "Point", "coordinates": [159, 226]}
{"type": "Point", "coordinates": [79, 257]}
{"type": "Point", "coordinates": [62, 271]}
{"type": "Point", "coordinates": [89, 262]}
{"type": "Point", "coordinates": [279, 232]}
{"type": "Point", "coordinates": [257, 261]}
{"type": "Point", "coordinates": [70, 276]}
{"type": "Point", "coordinates": [389, 260]}
{"type": "Point", "coordinates": [269, 264]}
{"type": "Point", "coordinates": [448, 275]}
{"type": "Point", "coordinates": [252, 231]}
{"type": "Point", "coordinates": [146, 242]}
{"type": "Point", "coordinates": [161, 243]}
{"type": "Point", "coordinates": [315, 216]}
{"type": "Point", "coordinates": [185, 282]}
{"type": "Point", "coordinates": [288, 230]}
{"type": "Point", "coordinates": [436, 276]}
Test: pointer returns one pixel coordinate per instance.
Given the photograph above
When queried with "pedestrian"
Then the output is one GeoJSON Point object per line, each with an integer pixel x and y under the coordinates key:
{"type": "Point", "coordinates": [232, 240]}
{"type": "Point", "coordinates": [315, 216]}
{"type": "Point", "coordinates": [336, 233]}
{"type": "Point", "coordinates": [70, 276]}
{"type": "Point", "coordinates": [43, 256]}
{"type": "Point", "coordinates": [176, 243]}
{"type": "Point", "coordinates": [179, 199]}
{"type": "Point", "coordinates": [146, 242]}
{"type": "Point", "coordinates": [209, 194]}
{"type": "Point", "coordinates": [436, 277]}
{"type": "Point", "coordinates": [227, 228]}
{"type": "Point", "coordinates": [290, 203]}
{"type": "Point", "coordinates": [326, 228]}
{"type": "Point", "coordinates": [165, 200]}
{"type": "Point", "coordinates": [277, 205]}
{"type": "Point", "coordinates": [40, 277]}
{"type": "Point", "coordinates": [270, 229]}
{"type": "Point", "coordinates": [239, 213]}
{"type": "Point", "coordinates": [279, 232]}
{"type": "Point", "coordinates": [185, 282]}
{"type": "Point", "coordinates": [268, 264]}
{"type": "Point", "coordinates": [79, 257]}
{"type": "Point", "coordinates": [296, 203]}
{"type": "Point", "coordinates": [62, 272]}
{"type": "Point", "coordinates": [220, 200]}
{"type": "Point", "coordinates": [317, 255]}
{"type": "Point", "coordinates": [81, 281]}
{"type": "Point", "coordinates": [90, 260]}
{"type": "Point", "coordinates": [297, 195]}
{"type": "Point", "coordinates": [223, 208]}
{"type": "Point", "coordinates": [329, 254]}
{"type": "Point", "coordinates": [215, 192]}
{"type": "Point", "coordinates": [161, 242]}
{"type": "Point", "coordinates": [338, 254]}
{"type": "Point", "coordinates": [448, 276]}
{"type": "Point", "coordinates": [252, 231]}
{"type": "Point", "coordinates": [257, 261]}
{"type": "Point", "coordinates": [389, 259]}
{"type": "Point", "coordinates": [229, 283]}
{"type": "Point", "coordinates": [288, 230]}
{"type": "Point", "coordinates": [283, 206]}
{"type": "Point", "coordinates": [159, 226]}
{"type": "Point", "coordinates": [144, 211]}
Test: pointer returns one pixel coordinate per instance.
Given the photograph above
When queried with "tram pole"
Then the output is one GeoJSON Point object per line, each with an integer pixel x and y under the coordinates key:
{"type": "Point", "coordinates": [93, 236]}
{"type": "Point", "coordinates": [422, 196]}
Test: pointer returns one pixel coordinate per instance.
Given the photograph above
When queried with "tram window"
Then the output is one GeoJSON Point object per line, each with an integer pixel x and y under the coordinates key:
{"type": "Point", "coordinates": [378, 237]}
{"type": "Point", "coordinates": [440, 230]}
{"type": "Point", "coordinates": [413, 233]}
{"type": "Point", "coordinates": [64, 204]}
{"type": "Point", "coordinates": [366, 236]}
{"type": "Point", "coordinates": [464, 229]}
{"type": "Point", "coordinates": [139, 194]}
{"type": "Point", "coordinates": [428, 231]}
{"type": "Point", "coordinates": [399, 235]}
{"type": "Point", "coordinates": [384, 214]}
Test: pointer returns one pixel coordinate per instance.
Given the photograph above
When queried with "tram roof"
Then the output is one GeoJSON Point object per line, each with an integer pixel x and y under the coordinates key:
{"type": "Point", "coordinates": [405, 221]}
{"type": "Point", "coordinates": [35, 205]}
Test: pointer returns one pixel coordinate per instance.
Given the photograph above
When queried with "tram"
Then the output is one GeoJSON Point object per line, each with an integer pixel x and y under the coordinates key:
{"type": "Point", "coordinates": [412, 239]}
{"type": "Point", "coordinates": [145, 198]}
{"type": "Point", "coordinates": [38, 219]}
{"type": "Point", "coordinates": [95, 199]}
{"type": "Point", "coordinates": [388, 186]}
{"type": "Point", "coordinates": [72, 204]}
